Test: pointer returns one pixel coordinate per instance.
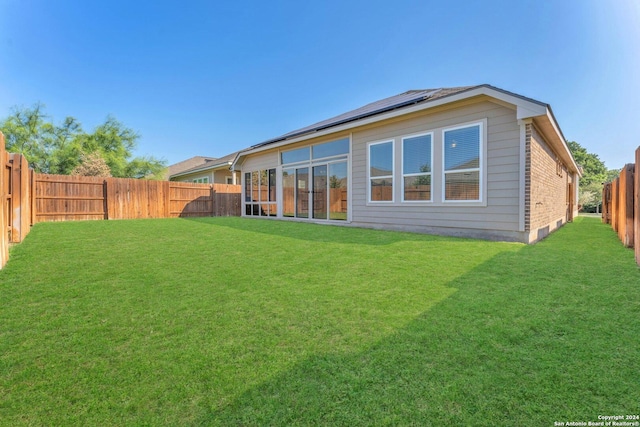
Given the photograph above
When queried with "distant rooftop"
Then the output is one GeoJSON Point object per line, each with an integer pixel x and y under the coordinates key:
{"type": "Point", "coordinates": [207, 163]}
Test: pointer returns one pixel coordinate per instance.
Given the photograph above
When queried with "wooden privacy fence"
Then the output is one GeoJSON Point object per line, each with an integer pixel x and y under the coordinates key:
{"type": "Point", "coordinates": [69, 198]}
{"type": "Point", "coordinates": [15, 192]}
{"type": "Point", "coordinates": [621, 205]}
{"type": "Point", "coordinates": [27, 198]}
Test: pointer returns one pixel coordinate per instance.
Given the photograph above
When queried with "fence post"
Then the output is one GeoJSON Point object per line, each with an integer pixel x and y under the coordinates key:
{"type": "Point", "coordinates": [625, 205]}
{"type": "Point", "coordinates": [636, 207]}
{"type": "Point", "coordinates": [4, 233]}
{"type": "Point", "coordinates": [212, 196]}
{"type": "Point", "coordinates": [105, 203]}
{"type": "Point", "coordinates": [32, 195]}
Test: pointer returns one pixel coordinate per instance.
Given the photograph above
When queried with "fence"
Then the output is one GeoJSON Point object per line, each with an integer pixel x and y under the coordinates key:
{"type": "Point", "coordinates": [15, 192]}
{"type": "Point", "coordinates": [621, 205]}
{"type": "Point", "coordinates": [68, 198]}
{"type": "Point", "coordinates": [27, 198]}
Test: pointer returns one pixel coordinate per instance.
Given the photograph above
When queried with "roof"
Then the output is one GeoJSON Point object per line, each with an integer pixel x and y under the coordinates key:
{"type": "Point", "coordinates": [208, 164]}
{"type": "Point", "coordinates": [410, 97]}
{"type": "Point", "coordinates": [187, 164]}
{"type": "Point", "coordinates": [417, 100]}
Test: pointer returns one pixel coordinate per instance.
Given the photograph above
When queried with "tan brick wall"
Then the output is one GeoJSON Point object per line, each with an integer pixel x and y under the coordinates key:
{"type": "Point", "coordinates": [548, 181]}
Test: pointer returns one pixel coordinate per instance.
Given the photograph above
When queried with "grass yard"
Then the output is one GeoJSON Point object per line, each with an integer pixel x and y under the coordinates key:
{"type": "Point", "coordinates": [230, 321]}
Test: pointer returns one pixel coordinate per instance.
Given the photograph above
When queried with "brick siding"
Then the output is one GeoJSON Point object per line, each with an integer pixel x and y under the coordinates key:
{"type": "Point", "coordinates": [547, 193]}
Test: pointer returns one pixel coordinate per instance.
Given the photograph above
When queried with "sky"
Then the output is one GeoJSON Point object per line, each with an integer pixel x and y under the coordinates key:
{"type": "Point", "coordinates": [212, 77]}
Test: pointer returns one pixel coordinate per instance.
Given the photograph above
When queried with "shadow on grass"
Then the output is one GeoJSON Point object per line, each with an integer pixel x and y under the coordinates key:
{"type": "Point", "coordinates": [333, 233]}
{"type": "Point", "coordinates": [528, 339]}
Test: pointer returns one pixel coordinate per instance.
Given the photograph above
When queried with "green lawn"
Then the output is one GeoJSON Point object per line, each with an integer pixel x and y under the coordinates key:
{"type": "Point", "coordinates": [229, 321]}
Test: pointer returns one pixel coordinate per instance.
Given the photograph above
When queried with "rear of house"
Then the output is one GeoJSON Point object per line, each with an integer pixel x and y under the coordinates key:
{"type": "Point", "coordinates": [470, 161]}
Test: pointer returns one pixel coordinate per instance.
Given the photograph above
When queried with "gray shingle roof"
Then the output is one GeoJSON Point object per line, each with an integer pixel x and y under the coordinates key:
{"type": "Point", "coordinates": [394, 102]}
{"type": "Point", "coordinates": [210, 162]}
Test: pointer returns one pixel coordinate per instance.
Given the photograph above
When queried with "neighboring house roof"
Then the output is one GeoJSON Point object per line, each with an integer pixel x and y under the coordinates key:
{"type": "Point", "coordinates": [187, 164]}
{"type": "Point", "coordinates": [416, 100]}
{"type": "Point", "coordinates": [211, 163]}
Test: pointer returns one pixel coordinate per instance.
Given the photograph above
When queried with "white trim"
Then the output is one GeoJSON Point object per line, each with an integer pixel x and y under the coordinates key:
{"type": "Point", "coordinates": [258, 202]}
{"type": "Point", "coordinates": [403, 175]}
{"type": "Point", "coordinates": [524, 109]}
{"type": "Point", "coordinates": [392, 176]}
{"type": "Point", "coordinates": [310, 165]}
{"type": "Point", "coordinates": [215, 167]}
{"type": "Point", "coordinates": [350, 180]}
{"type": "Point", "coordinates": [556, 129]}
{"type": "Point", "coordinates": [481, 169]}
{"type": "Point", "coordinates": [309, 147]}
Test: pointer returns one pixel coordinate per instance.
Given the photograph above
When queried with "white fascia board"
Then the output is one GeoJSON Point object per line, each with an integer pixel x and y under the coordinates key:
{"type": "Point", "coordinates": [559, 135]}
{"type": "Point", "coordinates": [525, 109]}
{"type": "Point", "coordinates": [202, 169]}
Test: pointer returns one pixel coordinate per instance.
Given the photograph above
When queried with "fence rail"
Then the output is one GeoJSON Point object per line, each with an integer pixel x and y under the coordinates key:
{"type": "Point", "coordinates": [621, 205]}
{"type": "Point", "coordinates": [27, 198]}
{"type": "Point", "coordinates": [71, 198]}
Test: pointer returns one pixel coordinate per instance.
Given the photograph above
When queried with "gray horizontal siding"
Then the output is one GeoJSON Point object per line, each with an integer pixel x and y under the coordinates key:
{"type": "Point", "coordinates": [260, 162]}
{"type": "Point", "coordinates": [502, 205]}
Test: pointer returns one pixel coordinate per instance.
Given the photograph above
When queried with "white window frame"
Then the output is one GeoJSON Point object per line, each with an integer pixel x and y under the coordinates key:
{"type": "Point", "coordinates": [258, 202]}
{"type": "Point", "coordinates": [403, 175]}
{"type": "Point", "coordinates": [481, 169]}
{"type": "Point", "coordinates": [392, 176]}
{"type": "Point", "coordinates": [201, 180]}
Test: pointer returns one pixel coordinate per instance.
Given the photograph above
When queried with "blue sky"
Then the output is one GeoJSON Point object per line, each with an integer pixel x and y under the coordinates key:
{"type": "Point", "coordinates": [212, 77]}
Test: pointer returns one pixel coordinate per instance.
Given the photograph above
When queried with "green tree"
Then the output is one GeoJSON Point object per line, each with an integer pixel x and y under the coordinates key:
{"type": "Point", "coordinates": [335, 182]}
{"type": "Point", "coordinates": [59, 149]}
{"type": "Point", "coordinates": [594, 174]}
{"type": "Point", "coordinates": [593, 169]}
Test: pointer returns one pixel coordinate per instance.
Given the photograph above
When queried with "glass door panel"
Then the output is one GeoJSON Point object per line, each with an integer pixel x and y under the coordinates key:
{"type": "Point", "coordinates": [320, 192]}
{"type": "Point", "coordinates": [302, 193]}
{"type": "Point", "coordinates": [288, 192]}
{"type": "Point", "coordinates": [338, 186]}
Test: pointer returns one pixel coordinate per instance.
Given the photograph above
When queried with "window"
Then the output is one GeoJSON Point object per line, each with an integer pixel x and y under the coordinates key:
{"type": "Point", "coordinates": [381, 171]}
{"type": "Point", "coordinates": [294, 156]}
{"type": "Point", "coordinates": [416, 167]}
{"type": "Point", "coordinates": [335, 148]}
{"type": "Point", "coordinates": [204, 180]}
{"type": "Point", "coordinates": [228, 179]}
{"type": "Point", "coordinates": [259, 193]}
{"type": "Point", "coordinates": [462, 154]}
{"type": "Point", "coordinates": [329, 149]}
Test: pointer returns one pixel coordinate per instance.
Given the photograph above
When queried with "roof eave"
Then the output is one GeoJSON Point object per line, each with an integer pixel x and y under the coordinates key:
{"type": "Point", "coordinates": [525, 108]}
{"type": "Point", "coordinates": [202, 169]}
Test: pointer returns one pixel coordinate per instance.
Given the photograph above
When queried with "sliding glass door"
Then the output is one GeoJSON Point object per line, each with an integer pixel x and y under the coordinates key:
{"type": "Point", "coordinates": [315, 181]}
{"type": "Point", "coordinates": [320, 192]}
{"type": "Point", "coordinates": [302, 193]}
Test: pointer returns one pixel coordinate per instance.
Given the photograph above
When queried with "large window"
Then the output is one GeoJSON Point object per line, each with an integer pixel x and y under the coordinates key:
{"type": "Point", "coordinates": [462, 167]}
{"type": "Point", "coordinates": [416, 167]}
{"type": "Point", "coordinates": [335, 148]}
{"type": "Point", "coordinates": [381, 171]}
{"type": "Point", "coordinates": [260, 193]}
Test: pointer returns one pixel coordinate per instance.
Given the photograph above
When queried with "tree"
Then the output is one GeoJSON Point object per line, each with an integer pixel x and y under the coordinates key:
{"type": "Point", "coordinates": [594, 174]}
{"type": "Point", "coordinates": [59, 149]}
{"type": "Point", "coordinates": [335, 182]}
{"type": "Point", "coordinates": [593, 168]}
{"type": "Point", "coordinates": [92, 164]}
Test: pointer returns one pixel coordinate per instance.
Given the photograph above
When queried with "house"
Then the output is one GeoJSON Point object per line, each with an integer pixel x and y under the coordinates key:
{"type": "Point", "coordinates": [210, 170]}
{"type": "Point", "coordinates": [474, 161]}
